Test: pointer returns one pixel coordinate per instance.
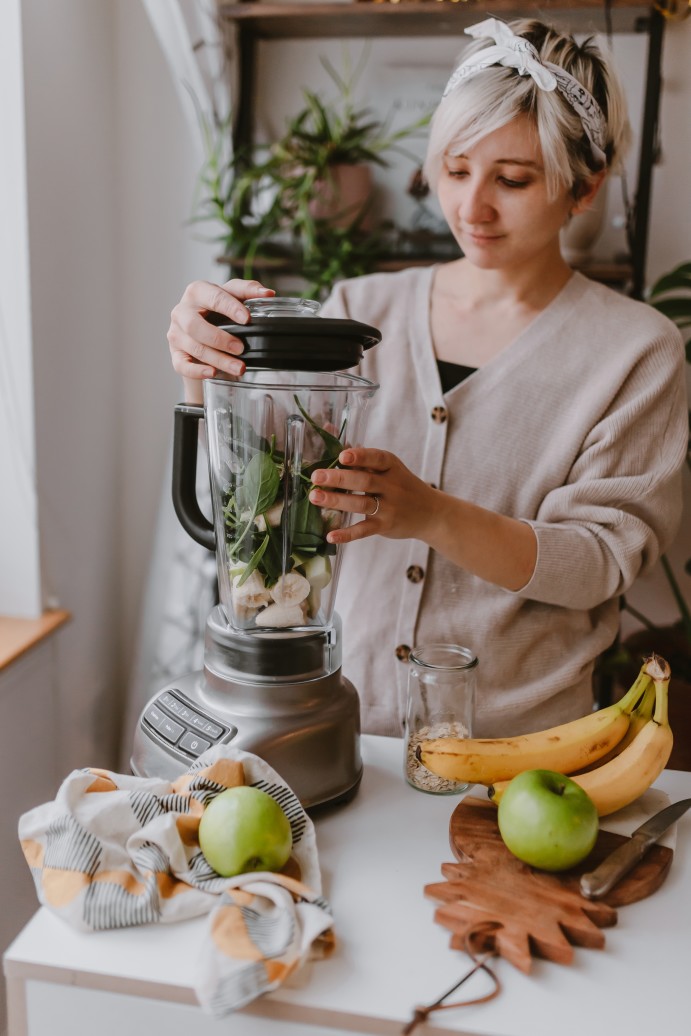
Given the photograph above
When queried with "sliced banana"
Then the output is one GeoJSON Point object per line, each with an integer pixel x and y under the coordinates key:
{"type": "Point", "coordinates": [272, 517]}
{"type": "Point", "coordinates": [280, 615]}
{"type": "Point", "coordinates": [291, 588]}
{"type": "Point", "coordinates": [252, 593]}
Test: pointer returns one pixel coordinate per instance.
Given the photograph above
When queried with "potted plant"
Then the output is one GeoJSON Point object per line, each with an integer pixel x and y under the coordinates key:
{"type": "Point", "coordinates": [295, 197]}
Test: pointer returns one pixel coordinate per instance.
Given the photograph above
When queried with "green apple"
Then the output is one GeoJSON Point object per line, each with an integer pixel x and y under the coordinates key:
{"type": "Point", "coordinates": [547, 820]}
{"type": "Point", "coordinates": [244, 829]}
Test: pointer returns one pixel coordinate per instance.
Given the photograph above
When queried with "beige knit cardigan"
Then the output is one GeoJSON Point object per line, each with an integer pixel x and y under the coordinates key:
{"type": "Point", "coordinates": [579, 427]}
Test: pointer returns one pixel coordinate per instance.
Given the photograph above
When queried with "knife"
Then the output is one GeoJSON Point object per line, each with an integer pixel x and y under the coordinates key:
{"type": "Point", "coordinates": [598, 882]}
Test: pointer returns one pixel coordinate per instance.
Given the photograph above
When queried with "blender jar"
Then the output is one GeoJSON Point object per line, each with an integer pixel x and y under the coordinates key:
{"type": "Point", "coordinates": [267, 433]}
{"type": "Point", "coordinates": [293, 411]}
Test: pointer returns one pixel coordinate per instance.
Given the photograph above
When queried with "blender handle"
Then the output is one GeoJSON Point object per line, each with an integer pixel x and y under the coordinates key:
{"type": "Point", "coordinates": [185, 438]}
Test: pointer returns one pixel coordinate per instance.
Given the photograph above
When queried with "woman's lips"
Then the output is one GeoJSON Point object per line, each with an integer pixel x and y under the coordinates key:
{"type": "Point", "coordinates": [482, 239]}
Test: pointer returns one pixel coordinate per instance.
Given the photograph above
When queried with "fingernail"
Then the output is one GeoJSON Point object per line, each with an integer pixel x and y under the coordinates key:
{"type": "Point", "coordinates": [317, 496]}
{"type": "Point", "coordinates": [318, 477]}
{"type": "Point", "coordinates": [346, 457]}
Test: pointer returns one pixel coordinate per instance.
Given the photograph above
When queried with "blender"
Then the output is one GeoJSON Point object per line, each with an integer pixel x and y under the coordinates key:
{"type": "Point", "coordinates": [271, 682]}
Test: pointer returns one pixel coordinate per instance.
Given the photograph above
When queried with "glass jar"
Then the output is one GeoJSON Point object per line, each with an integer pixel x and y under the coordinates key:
{"type": "Point", "coordinates": [441, 703]}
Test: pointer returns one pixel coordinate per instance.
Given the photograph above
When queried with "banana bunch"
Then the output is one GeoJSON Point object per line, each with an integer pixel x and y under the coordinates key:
{"type": "Point", "coordinates": [638, 759]}
{"type": "Point", "coordinates": [567, 748]}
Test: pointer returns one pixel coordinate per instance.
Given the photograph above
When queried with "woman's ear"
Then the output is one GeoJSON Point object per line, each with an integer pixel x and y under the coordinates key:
{"type": "Point", "coordinates": [587, 192]}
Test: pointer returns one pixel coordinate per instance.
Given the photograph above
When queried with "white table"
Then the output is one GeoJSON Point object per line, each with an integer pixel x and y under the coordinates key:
{"type": "Point", "coordinates": [376, 855]}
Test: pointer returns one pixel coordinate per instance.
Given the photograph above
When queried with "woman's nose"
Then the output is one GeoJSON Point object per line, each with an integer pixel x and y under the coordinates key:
{"type": "Point", "coordinates": [476, 205]}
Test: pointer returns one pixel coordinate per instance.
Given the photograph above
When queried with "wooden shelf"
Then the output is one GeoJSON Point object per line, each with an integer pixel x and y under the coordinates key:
{"type": "Point", "coordinates": [416, 17]}
{"type": "Point", "coordinates": [17, 636]}
{"type": "Point", "coordinates": [254, 22]}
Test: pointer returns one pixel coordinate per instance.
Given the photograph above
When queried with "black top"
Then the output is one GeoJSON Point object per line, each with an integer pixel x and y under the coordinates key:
{"type": "Point", "coordinates": [452, 374]}
{"type": "Point", "coordinates": [301, 343]}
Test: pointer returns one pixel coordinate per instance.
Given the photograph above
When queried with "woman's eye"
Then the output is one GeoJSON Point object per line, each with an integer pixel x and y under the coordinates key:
{"type": "Point", "coordinates": [457, 173]}
{"type": "Point", "coordinates": [514, 183]}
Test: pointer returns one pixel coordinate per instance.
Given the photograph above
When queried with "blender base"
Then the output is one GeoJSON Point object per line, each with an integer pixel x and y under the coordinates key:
{"type": "Point", "coordinates": [308, 732]}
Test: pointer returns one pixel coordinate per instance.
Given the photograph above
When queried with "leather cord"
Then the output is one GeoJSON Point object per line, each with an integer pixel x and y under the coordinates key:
{"type": "Point", "coordinates": [475, 943]}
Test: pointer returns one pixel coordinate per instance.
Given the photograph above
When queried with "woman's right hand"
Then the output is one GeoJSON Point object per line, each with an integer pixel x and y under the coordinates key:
{"type": "Point", "coordinates": [197, 348]}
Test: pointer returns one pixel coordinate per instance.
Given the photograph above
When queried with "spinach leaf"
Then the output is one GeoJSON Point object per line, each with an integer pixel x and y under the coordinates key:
{"type": "Point", "coordinates": [260, 485]}
{"type": "Point", "coordinates": [254, 560]}
{"type": "Point", "coordinates": [333, 445]}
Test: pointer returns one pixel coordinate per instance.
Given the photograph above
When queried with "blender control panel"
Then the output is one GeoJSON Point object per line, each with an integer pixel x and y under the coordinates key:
{"type": "Point", "coordinates": [182, 727]}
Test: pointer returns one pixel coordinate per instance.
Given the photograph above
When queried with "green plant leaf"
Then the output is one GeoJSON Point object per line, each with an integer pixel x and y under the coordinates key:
{"type": "Point", "coordinates": [676, 308]}
{"type": "Point", "coordinates": [254, 561]}
{"type": "Point", "coordinates": [333, 445]}
{"type": "Point", "coordinates": [259, 486]}
{"type": "Point", "coordinates": [680, 277]}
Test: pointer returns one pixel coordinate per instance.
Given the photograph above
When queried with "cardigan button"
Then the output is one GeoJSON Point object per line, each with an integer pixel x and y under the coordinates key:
{"type": "Point", "coordinates": [415, 573]}
{"type": "Point", "coordinates": [403, 652]}
{"type": "Point", "coordinates": [439, 414]}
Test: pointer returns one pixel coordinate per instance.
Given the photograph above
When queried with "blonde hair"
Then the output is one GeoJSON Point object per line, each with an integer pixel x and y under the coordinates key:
{"type": "Point", "coordinates": [485, 102]}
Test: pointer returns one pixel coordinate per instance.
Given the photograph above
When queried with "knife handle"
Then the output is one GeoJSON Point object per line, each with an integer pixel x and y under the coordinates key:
{"type": "Point", "coordinates": [598, 882]}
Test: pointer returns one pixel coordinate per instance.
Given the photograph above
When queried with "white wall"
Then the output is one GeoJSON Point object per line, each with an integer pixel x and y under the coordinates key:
{"type": "Point", "coordinates": [110, 177]}
{"type": "Point", "coordinates": [69, 75]}
{"type": "Point", "coordinates": [20, 577]}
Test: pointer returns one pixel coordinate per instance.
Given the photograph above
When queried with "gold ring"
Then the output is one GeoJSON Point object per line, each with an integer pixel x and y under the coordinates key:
{"type": "Point", "coordinates": [376, 506]}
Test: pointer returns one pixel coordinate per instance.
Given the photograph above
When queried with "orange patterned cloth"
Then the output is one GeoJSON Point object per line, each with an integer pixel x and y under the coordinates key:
{"type": "Point", "coordinates": [114, 850]}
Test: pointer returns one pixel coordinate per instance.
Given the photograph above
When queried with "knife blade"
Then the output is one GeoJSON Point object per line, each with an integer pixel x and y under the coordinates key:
{"type": "Point", "coordinates": [599, 882]}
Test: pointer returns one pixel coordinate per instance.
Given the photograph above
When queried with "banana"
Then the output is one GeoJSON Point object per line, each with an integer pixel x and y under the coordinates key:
{"type": "Point", "coordinates": [624, 778]}
{"type": "Point", "coordinates": [565, 748]}
{"type": "Point", "coordinates": [290, 589]}
{"type": "Point", "coordinates": [639, 717]}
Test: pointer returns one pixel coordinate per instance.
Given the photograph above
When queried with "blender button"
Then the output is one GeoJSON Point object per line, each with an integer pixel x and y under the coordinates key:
{"type": "Point", "coordinates": [154, 716]}
{"type": "Point", "coordinates": [212, 730]}
{"type": "Point", "coordinates": [415, 573]}
{"type": "Point", "coordinates": [170, 730]}
{"type": "Point", "coordinates": [403, 652]}
{"type": "Point", "coordinates": [193, 744]}
{"type": "Point", "coordinates": [196, 721]}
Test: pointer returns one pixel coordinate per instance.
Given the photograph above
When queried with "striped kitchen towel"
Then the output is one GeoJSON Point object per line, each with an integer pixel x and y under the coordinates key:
{"type": "Point", "coordinates": [114, 850]}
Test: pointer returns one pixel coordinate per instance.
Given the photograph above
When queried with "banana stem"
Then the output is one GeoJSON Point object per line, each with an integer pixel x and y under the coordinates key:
{"type": "Point", "coordinates": [659, 670]}
{"type": "Point", "coordinates": [636, 691]}
{"type": "Point", "coordinates": [661, 702]}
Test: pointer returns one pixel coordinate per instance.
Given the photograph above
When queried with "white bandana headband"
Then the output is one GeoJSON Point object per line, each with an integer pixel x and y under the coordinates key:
{"type": "Point", "coordinates": [516, 52]}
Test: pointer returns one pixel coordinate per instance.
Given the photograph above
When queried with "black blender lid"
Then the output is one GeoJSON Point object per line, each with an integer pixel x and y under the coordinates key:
{"type": "Point", "coordinates": [280, 337]}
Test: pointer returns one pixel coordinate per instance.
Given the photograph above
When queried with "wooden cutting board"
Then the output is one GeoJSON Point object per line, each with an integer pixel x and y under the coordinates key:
{"type": "Point", "coordinates": [532, 913]}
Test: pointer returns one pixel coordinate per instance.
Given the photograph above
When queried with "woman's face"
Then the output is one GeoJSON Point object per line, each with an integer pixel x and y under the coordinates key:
{"type": "Point", "coordinates": [495, 199]}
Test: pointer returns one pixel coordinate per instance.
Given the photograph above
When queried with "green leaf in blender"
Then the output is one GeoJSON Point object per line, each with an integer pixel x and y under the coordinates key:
{"type": "Point", "coordinates": [260, 484]}
{"type": "Point", "coordinates": [254, 560]}
{"type": "Point", "coordinates": [333, 443]}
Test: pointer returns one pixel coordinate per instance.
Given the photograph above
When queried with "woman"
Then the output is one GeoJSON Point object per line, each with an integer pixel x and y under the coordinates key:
{"type": "Point", "coordinates": [531, 423]}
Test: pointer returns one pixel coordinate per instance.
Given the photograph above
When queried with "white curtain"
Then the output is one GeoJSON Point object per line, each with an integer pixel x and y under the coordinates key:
{"type": "Point", "coordinates": [181, 583]}
{"type": "Point", "coordinates": [191, 40]}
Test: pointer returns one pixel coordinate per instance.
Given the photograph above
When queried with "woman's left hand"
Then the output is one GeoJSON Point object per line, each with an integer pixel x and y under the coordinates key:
{"type": "Point", "coordinates": [395, 502]}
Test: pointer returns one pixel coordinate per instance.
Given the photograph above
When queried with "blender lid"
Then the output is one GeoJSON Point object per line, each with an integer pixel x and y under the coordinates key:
{"type": "Point", "coordinates": [278, 339]}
